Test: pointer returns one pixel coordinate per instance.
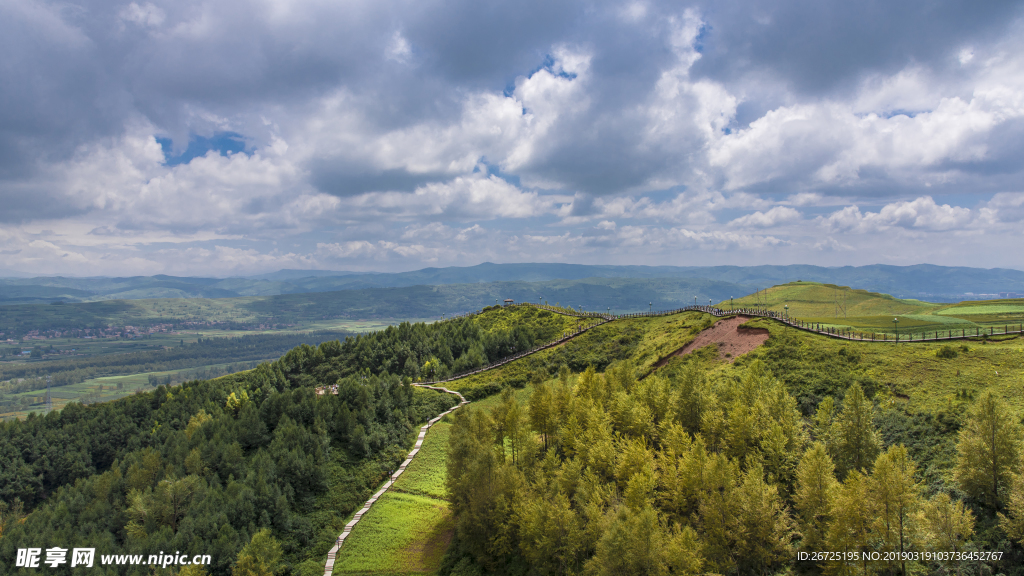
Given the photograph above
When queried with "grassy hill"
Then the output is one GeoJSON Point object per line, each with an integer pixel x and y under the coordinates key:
{"type": "Point", "coordinates": [873, 312]}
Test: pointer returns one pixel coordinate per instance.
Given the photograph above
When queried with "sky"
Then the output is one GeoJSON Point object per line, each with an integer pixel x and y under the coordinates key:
{"type": "Point", "coordinates": [220, 138]}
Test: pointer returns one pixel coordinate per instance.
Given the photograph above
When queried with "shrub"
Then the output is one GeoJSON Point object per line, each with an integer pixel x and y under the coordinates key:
{"type": "Point", "coordinates": [946, 351]}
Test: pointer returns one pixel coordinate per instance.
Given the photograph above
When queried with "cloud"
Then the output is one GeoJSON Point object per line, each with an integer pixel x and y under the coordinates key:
{"type": "Point", "coordinates": [922, 214]}
{"type": "Point", "coordinates": [456, 132]}
{"type": "Point", "coordinates": [463, 198]}
{"type": "Point", "coordinates": [1003, 208]}
{"type": "Point", "coordinates": [147, 15]}
{"type": "Point", "coordinates": [774, 217]}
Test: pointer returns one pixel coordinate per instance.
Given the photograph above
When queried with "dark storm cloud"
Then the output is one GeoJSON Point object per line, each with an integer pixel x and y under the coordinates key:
{"type": "Point", "coordinates": [54, 91]}
{"type": "Point", "coordinates": [340, 180]}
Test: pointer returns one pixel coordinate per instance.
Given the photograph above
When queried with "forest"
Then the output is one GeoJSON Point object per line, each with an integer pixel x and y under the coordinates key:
{"type": "Point", "coordinates": [208, 467]}
{"type": "Point", "coordinates": [252, 462]}
{"type": "Point", "coordinates": [705, 467]}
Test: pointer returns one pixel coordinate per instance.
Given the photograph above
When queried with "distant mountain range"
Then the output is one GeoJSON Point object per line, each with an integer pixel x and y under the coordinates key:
{"type": "Point", "coordinates": [923, 281]}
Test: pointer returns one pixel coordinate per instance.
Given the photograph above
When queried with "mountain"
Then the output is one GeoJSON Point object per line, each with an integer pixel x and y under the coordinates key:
{"type": "Point", "coordinates": [923, 281]}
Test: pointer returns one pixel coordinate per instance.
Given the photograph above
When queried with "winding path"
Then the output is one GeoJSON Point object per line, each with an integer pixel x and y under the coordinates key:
{"type": "Point", "coordinates": [333, 553]}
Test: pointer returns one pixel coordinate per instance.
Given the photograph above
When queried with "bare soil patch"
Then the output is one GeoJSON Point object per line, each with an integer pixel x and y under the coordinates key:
{"type": "Point", "coordinates": [732, 340]}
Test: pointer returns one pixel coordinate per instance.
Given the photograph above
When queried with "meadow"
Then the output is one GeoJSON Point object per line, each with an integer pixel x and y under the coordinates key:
{"type": "Point", "coordinates": [859, 310]}
{"type": "Point", "coordinates": [408, 530]}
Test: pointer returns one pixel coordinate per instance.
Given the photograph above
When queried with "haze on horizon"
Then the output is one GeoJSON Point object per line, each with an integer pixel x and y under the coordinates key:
{"type": "Point", "coordinates": [233, 138]}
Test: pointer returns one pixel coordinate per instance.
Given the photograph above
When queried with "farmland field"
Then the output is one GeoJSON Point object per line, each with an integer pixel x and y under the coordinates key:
{"type": "Point", "coordinates": [107, 388]}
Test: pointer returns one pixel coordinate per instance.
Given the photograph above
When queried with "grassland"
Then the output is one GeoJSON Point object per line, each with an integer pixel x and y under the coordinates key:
{"type": "Point", "coordinates": [860, 310]}
{"type": "Point", "coordinates": [913, 376]}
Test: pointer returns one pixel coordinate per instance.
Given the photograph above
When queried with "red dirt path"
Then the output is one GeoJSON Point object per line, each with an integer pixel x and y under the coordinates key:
{"type": "Point", "coordinates": [731, 340]}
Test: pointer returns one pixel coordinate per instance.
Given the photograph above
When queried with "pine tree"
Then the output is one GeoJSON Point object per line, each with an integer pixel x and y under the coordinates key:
{"type": "Point", "coordinates": [850, 528]}
{"type": "Point", "coordinates": [638, 543]}
{"type": "Point", "coordinates": [950, 524]}
{"type": "Point", "coordinates": [541, 411]}
{"type": "Point", "coordinates": [551, 535]}
{"type": "Point", "coordinates": [1013, 522]}
{"type": "Point", "coordinates": [719, 513]}
{"type": "Point", "coordinates": [857, 443]}
{"type": "Point", "coordinates": [824, 419]}
{"type": "Point", "coordinates": [988, 451]}
{"type": "Point", "coordinates": [765, 525]}
{"type": "Point", "coordinates": [260, 557]}
{"type": "Point", "coordinates": [690, 398]}
{"type": "Point", "coordinates": [815, 496]}
{"type": "Point", "coordinates": [897, 499]}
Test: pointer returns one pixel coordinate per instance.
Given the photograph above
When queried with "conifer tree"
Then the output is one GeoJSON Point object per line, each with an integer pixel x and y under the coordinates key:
{"type": "Point", "coordinates": [1013, 521]}
{"type": "Point", "coordinates": [897, 499]}
{"type": "Point", "coordinates": [988, 450]}
{"type": "Point", "coordinates": [541, 411]}
{"type": "Point", "coordinates": [857, 442]}
{"type": "Point", "coordinates": [260, 557]}
{"type": "Point", "coordinates": [850, 528]}
{"type": "Point", "coordinates": [824, 419]}
{"type": "Point", "coordinates": [950, 524]}
{"type": "Point", "coordinates": [719, 512]}
{"type": "Point", "coordinates": [638, 543]}
{"type": "Point", "coordinates": [815, 496]}
{"type": "Point", "coordinates": [551, 535]}
{"type": "Point", "coordinates": [765, 526]}
{"type": "Point", "coordinates": [690, 397]}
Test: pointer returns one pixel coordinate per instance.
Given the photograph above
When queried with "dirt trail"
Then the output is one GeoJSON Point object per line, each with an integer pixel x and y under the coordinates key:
{"type": "Point", "coordinates": [732, 340]}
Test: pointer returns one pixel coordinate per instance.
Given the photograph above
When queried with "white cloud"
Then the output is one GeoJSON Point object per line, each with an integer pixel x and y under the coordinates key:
{"type": "Point", "coordinates": [629, 129]}
{"type": "Point", "coordinates": [463, 198]}
{"type": "Point", "coordinates": [361, 249]}
{"type": "Point", "coordinates": [147, 15]}
{"type": "Point", "coordinates": [399, 49]}
{"type": "Point", "coordinates": [1003, 208]}
{"type": "Point", "coordinates": [774, 217]}
{"type": "Point", "coordinates": [919, 214]}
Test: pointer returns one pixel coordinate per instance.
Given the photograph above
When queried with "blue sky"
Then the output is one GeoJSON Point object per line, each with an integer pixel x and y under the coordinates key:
{"type": "Point", "coordinates": [222, 138]}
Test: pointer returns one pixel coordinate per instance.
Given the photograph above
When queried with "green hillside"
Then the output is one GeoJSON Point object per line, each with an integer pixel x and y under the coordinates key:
{"type": "Point", "coordinates": [583, 458]}
{"type": "Point", "coordinates": [329, 310]}
{"type": "Point", "coordinates": [844, 307]}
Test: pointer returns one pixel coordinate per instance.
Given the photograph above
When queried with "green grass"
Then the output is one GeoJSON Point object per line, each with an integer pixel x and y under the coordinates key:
{"type": "Point", "coordinates": [873, 313]}
{"type": "Point", "coordinates": [663, 335]}
{"type": "Point", "coordinates": [815, 300]}
{"type": "Point", "coordinates": [408, 530]}
{"type": "Point", "coordinates": [425, 476]}
{"type": "Point", "coordinates": [911, 373]}
{"type": "Point", "coordinates": [973, 309]}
